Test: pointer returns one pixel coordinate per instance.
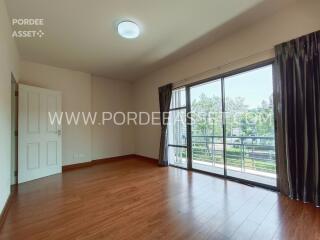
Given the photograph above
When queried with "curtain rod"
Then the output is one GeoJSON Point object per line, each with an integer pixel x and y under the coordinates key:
{"type": "Point", "coordinates": [270, 52]}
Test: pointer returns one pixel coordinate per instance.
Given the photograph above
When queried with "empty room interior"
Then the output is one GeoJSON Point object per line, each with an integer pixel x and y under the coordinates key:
{"type": "Point", "coordinates": [168, 119]}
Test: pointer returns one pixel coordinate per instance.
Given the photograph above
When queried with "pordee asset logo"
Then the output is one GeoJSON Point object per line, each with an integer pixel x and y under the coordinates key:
{"type": "Point", "coordinates": [27, 33]}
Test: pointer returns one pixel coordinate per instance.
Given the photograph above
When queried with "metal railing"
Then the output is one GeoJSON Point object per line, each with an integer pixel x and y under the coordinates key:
{"type": "Point", "coordinates": [242, 153]}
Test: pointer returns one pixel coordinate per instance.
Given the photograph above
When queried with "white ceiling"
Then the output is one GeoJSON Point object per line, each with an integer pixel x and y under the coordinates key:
{"type": "Point", "coordinates": [80, 34]}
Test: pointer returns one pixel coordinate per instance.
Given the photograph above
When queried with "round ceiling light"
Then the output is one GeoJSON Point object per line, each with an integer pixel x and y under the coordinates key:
{"type": "Point", "coordinates": [128, 29]}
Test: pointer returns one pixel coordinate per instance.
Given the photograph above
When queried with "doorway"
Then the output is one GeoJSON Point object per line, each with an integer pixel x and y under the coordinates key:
{"type": "Point", "coordinates": [40, 143]}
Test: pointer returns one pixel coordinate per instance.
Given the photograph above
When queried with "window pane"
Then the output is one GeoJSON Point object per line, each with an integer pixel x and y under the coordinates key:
{"type": "Point", "coordinates": [206, 127]}
{"type": "Point", "coordinates": [177, 127]}
{"type": "Point", "coordinates": [250, 147]}
{"type": "Point", "coordinates": [178, 156]}
{"type": "Point", "coordinates": [178, 98]}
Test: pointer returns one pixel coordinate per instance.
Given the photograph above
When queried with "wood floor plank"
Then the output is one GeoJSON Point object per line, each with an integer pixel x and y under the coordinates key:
{"type": "Point", "coordinates": [135, 199]}
{"type": "Point", "coordinates": [236, 220]}
{"type": "Point", "coordinates": [245, 231]}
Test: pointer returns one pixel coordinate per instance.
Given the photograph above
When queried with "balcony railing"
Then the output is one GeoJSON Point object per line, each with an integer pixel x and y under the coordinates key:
{"type": "Point", "coordinates": [244, 154]}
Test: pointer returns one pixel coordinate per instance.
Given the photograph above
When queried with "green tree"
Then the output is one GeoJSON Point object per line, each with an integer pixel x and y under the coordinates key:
{"type": "Point", "coordinates": [207, 117]}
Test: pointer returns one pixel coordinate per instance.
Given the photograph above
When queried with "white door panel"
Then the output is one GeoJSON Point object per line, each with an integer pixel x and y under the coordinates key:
{"type": "Point", "coordinates": [39, 140]}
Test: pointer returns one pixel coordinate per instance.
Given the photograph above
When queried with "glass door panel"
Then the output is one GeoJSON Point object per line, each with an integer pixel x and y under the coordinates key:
{"type": "Point", "coordinates": [177, 131]}
{"type": "Point", "coordinates": [206, 127]}
{"type": "Point", "coordinates": [250, 144]}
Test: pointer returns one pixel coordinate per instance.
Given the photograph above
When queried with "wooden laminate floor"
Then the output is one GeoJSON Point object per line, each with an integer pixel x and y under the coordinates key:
{"type": "Point", "coordinates": [135, 199]}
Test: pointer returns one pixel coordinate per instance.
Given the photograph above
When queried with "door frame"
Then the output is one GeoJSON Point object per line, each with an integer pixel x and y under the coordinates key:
{"type": "Point", "coordinates": [14, 130]}
{"type": "Point", "coordinates": [188, 121]}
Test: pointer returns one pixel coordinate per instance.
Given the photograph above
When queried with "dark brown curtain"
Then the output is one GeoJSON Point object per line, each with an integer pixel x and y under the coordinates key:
{"type": "Point", "coordinates": [165, 93]}
{"type": "Point", "coordinates": [297, 98]}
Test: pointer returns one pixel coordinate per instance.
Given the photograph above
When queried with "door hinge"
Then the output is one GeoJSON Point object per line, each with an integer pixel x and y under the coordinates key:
{"type": "Point", "coordinates": [16, 93]}
{"type": "Point", "coordinates": [15, 173]}
{"type": "Point", "coordinates": [16, 133]}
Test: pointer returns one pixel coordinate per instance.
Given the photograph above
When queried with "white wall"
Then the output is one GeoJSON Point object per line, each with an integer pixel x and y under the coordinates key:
{"type": "Point", "coordinates": [83, 93]}
{"type": "Point", "coordinates": [110, 140]}
{"type": "Point", "coordinates": [256, 41]}
{"type": "Point", "coordinates": [9, 62]}
{"type": "Point", "coordinates": [76, 97]}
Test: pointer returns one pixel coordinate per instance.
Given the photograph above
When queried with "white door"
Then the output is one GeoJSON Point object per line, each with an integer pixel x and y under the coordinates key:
{"type": "Point", "coordinates": [39, 141]}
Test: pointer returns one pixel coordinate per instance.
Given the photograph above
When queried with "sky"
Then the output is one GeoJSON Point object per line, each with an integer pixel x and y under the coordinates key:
{"type": "Point", "coordinates": [254, 85]}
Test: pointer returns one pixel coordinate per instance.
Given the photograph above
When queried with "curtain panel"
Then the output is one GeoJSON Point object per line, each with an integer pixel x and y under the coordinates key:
{"type": "Point", "coordinates": [165, 93]}
{"type": "Point", "coordinates": [297, 106]}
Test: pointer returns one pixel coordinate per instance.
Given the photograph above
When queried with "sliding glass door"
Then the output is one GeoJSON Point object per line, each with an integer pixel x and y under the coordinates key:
{"type": "Point", "coordinates": [177, 131]}
{"type": "Point", "coordinates": [206, 127]}
{"type": "Point", "coordinates": [250, 145]}
{"type": "Point", "coordinates": [231, 130]}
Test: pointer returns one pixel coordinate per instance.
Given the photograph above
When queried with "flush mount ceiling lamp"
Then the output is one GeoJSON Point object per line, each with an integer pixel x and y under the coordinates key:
{"type": "Point", "coordinates": [128, 29]}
